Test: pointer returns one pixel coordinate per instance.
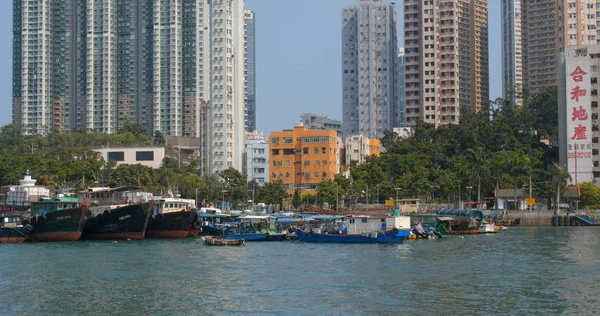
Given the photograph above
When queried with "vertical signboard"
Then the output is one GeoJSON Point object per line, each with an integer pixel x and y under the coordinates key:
{"type": "Point", "coordinates": [579, 119]}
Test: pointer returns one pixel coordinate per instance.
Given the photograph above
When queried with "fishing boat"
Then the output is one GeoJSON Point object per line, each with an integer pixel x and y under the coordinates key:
{"type": "Point", "coordinates": [117, 213]}
{"type": "Point", "coordinates": [173, 217]}
{"type": "Point", "coordinates": [459, 222]}
{"type": "Point", "coordinates": [12, 229]}
{"type": "Point", "coordinates": [253, 228]}
{"type": "Point", "coordinates": [216, 241]}
{"type": "Point", "coordinates": [61, 218]}
{"type": "Point", "coordinates": [488, 228]}
{"type": "Point", "coordinates": [360, 229]}
{"type": "Point", "coordinates": [18, 198]}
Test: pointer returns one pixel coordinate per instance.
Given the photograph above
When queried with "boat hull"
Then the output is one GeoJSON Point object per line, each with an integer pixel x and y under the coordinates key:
{"type": "Point", "coordinates": [62, 225]}
{"type": "Point", "coordinates": [246, 237]}
{"type": "Point", "coordinates": [170, 225]}
{"type": "Point", "coordinates": [125, 222]}
{"type": "Point", "coordinates": [388, 237]}
{"type": "Point", "coordinates": [462, 227]}
{"type": "Point", "coordinates": [488, 229]}
{"type": "Point", "coordinates": [215, 241]}
{"type": "Point", "coordinates": [10, 235]}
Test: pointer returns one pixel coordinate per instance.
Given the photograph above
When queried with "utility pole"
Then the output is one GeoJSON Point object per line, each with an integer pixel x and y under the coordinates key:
{"type": "Point", "coordinates": [367, 197]}
{"type": "Point", "coordinates": [196, 197]}
{"type": "Point", "coordinates": [337, 200]}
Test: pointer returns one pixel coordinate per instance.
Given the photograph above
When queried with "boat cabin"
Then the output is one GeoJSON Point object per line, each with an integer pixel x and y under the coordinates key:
{"type": "Point", "coordinates": [14, 220]}
{"type": "Point", "coordinates": [357, 224]}
{"type": "Point", "coordinates": [58, 203]}
{"type": "Point", "coordinates": [168, 205]}
{"type": "Point", "coordinates": [113, 196]}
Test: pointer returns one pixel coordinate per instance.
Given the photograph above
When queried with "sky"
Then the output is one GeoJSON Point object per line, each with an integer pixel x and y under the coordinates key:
{"type": "Point", "coordinates": [298, 66]}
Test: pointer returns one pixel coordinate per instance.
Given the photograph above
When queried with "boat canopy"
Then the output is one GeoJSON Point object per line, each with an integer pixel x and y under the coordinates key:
{"type": "Point", "coordinates": [212, 215]}
{"type": "Point", "coordinates": [466, 213]}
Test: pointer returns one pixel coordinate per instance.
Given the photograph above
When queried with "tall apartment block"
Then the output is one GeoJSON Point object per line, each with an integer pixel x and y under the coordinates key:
{"type": "Point", "coordinates": [250, 71]}
{"type": "Point", "coordinates": [227, 84]}
{"type": "Point", "coordinates": [175, 66]}
{"type": "Point", "coordinates": [445, 59]}
{"type": "Point", "coordinates": [534, 32]}
{"type": "Point", "coordinates": [401, 86]}
{"type": "Point", "coordinates": [369, 74]}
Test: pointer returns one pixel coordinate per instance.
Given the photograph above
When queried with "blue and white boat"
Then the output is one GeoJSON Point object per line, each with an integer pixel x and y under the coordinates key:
{"type": "Point", "coordinates": [360, 229]}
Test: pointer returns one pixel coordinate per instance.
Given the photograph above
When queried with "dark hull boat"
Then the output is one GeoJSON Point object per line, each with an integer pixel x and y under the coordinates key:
{"type": "Point", "coordinates": [171, 225]}
{"type": "Point", "coordinates": [60, 225]}
{"type": "Point", "coordinates": [124, 222]}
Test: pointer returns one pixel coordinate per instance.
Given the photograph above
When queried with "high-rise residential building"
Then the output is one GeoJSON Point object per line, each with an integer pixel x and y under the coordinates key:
{"type": "Point", "coordinates": [401, 86]}
{"type": "Point", "coordinates": [314, 121]}
{"type": "Point", "coordinates": [175, 66]}
{"type": "Point", "coordinates": [369, 70]}
{"type": "Point", "coordinates": [250, 69]}
{"type": "Point", "coordinates": [47, 52]}
{"type": "Point", "coordinates": [227, 84]}
{"type": "Point", "coordinates": [445, 59]}
{"type": "Point", "coordinates": [534, 32]}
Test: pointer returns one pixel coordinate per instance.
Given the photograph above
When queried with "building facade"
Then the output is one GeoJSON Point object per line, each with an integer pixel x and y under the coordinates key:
{"type": "Point", "coordinates": [534, 32]}
{"type": "Point", "coordinates": [445, 59]}
{"type": "Point", "coordinates": [578, 73]}
{"type": "Point", "coordinates": [174, 66]}
{"type": "Point", "coordinates": [257, 158]}
{"type": "Point", "coordinates": [401, 86]}
{"type": "Point", "coordinates": [320, 122]}
{"type": "Point", "coordinates": [359, 147]}
{"type": "Point", "coordinates": [301, 157]}
{"type": "Point", "coordinates": [147, 156]}
{"type": "Point", "coordinates": [250, 71]}
{"type": "Point", "coordinates": [369, 68]}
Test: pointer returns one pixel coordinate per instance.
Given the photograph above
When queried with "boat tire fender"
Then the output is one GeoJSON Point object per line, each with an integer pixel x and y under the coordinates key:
{"type": "Point", "coordinates": [395, 231]}
{"type": "Point", "coordinates": [197, 224]}
{"type": "Point", "coordinates": [42, 218]}
{"type": "Point", "coordinates": [290, 230]}
{"type": "Point", "coordinates": [106, 214]}
{"type": "Point", "coordinates": [28, 227]}
{"type": "Point", "coordinates": [311, 234]}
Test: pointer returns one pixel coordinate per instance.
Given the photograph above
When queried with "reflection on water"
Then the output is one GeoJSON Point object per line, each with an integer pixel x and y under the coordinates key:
{"type": "Point", "coordinates": [520, 271]}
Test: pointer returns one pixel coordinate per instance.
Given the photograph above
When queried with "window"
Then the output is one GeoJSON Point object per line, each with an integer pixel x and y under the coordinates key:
{"type": "Point", "coordinates": [316, 150]}
{"type": "Point", "coordinates": [287, 163]}
{"type": "Point", "coordinates": [144, 156]}
{"type": "Point", "coordinates": [274, 163]}
{"type": "Point", "coordinates": [307, 162]}
{"type": "Point", "coordinates": [275, 140]}
{"type": "Point", "coordinates": [305, 150]}
{"type": "Point", "coordinates": [317, 162]}
{"type": "Point", "coordinates": [324, 174]}
{"type": "Point", "coordinates": [275, 152]}
{"type": "Point", "coordinates": [324, 162]}
{"type": "Point", "coordinates": [323, 150]}
{"type": "Point", "coordinates": [316, 174]}
{"type": "Point", "coordinates": [273, 175]}
{"type": "Point", "coordinates": [288, 151]}
{"type": "Point", "coordinates": [364, 220]}
{"type": "Point", "coordinates": [116, 155]}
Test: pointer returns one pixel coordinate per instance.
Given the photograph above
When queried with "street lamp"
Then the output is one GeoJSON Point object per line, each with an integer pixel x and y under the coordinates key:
{"type": "Point", "coordinates": [223, 199]}
{"type": "Point", "coordinates": [469, 188]}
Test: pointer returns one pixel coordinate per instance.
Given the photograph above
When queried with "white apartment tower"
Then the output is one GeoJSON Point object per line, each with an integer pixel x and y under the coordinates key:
{"type": "Point", "coordinates": [369, 70]}
{"type": "Point", "coordinates": [445, 59]}
{"type": "Point", "coordinates": [227, 84]}
{"type": "Point", "coordinates": [512, 48]}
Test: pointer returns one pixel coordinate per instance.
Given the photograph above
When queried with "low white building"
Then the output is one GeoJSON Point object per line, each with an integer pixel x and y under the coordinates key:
{"type": "Point", "coordinates": [358, 147]}
{"type": "Point", "coordinates": [147, 156]}
{"type": "Point", "coordinates": [257, 158]}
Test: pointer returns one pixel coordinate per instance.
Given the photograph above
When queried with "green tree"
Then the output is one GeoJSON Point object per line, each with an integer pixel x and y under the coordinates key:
{"type": "Point", "coordinates": [590, 195]}
{"type": "Point", "coordinates": [560, 178]}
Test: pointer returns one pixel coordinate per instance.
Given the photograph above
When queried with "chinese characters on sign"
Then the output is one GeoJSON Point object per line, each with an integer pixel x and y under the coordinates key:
{"type": "Point", "coordinates": [579, 126]}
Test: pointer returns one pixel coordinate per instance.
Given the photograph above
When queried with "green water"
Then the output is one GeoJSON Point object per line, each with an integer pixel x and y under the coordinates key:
{"type": "Point", "coordinates": [522, 271]}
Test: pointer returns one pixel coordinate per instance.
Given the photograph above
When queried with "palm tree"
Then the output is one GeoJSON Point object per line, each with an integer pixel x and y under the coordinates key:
{"type": "Point", "coordinates": [477, 160]}
{"type": "Point", "coordinates": [560, 177]}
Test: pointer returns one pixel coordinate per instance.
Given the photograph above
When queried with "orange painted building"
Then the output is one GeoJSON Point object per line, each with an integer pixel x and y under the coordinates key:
{"type": "Point", "coordinates": [302, 158]}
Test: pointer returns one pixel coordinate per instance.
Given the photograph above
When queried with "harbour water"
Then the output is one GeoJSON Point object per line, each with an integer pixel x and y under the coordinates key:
{"type": "Point", "coordinates": [524, 270]}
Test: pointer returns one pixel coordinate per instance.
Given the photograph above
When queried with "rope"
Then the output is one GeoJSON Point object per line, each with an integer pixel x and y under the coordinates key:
{"type": "Point", "coordinates": [15, 229]}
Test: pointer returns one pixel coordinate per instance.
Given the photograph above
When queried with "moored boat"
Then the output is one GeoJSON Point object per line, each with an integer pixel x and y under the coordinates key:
{"type": "Point", "coordinates": [12, 230]}
{"type": "Point", "coordinates": [119, 213]}
{"type": "Point", "coordinates": [360, 229]}
{"type": "Point", "coordinates": [488, 228]}
{"type": "Point", "coordinates": [61, 218]}
{"type": "Point", "coordinates": [460, 222]}
{"type": "Point", "coordinates": [216, 241]}
{"type": "Point", "coordinates": [172, 218]}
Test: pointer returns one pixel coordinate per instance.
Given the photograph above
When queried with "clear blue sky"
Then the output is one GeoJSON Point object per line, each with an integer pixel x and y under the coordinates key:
{"type": "Point", "coordinates": [298, 63]}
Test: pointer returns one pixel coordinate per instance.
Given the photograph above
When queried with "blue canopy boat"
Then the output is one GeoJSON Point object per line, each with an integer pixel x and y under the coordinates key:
{"type": "Point", "coordinates": [363, 229]}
